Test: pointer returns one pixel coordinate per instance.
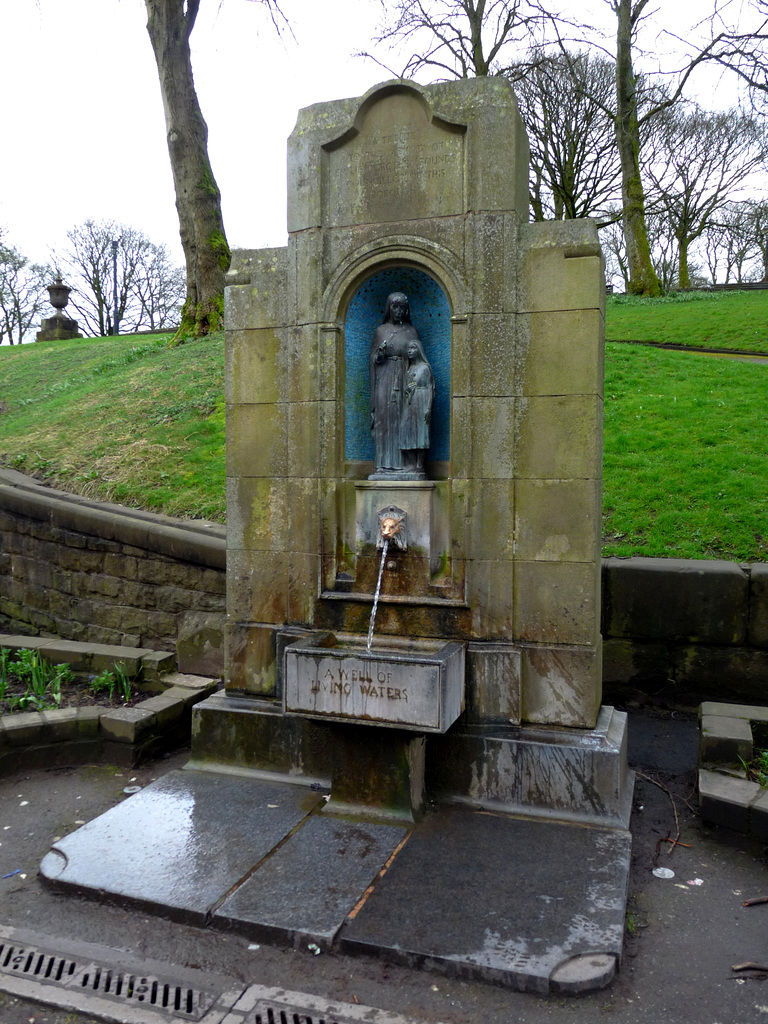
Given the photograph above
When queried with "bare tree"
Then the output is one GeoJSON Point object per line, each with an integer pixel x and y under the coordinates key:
{"type": "Point", "coordinates": [614, 248]}
{"type": "Point", "coordinates": [147, 283]}
{"type": "Point", "coordinates": [738, 41]}
{"type": "Point", "coordinates": [730, 241]}
{"type": "Point", "coordinates": [198, 200]}
{"type": "Point", "coordinates": [664, 251]}
{"type": "Point", "coordinates": [461, 38]}
{"type": "Point", "coordinates": [565, 101]}
{"type": "Point", "coordinates": [23, 297]}
{"type": "Point", "coordinates": [706, 159]}
{"type": "Point", "coordinates": [758, 221]}
{"type": "Point", "coordinates": [159, 291]}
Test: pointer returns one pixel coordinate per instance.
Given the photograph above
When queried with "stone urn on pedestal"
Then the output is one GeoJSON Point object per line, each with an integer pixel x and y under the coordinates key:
{"type": "Point", "coordinates": [58, 327]}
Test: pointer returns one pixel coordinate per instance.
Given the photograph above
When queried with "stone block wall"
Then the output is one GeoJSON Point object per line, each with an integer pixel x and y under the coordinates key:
{"type": "Point", "coordinates": [87, 570]}
{"type": "Point", "coordinates": [685, 629]}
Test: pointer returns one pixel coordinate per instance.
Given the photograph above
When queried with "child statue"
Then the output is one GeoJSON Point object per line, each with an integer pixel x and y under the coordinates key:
{"type": "Point", "coordinates": [417, 412]}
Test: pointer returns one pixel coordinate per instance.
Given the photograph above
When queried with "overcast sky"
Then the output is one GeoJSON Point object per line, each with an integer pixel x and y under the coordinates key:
{"type": "Point", "coordinates": [82, 122]}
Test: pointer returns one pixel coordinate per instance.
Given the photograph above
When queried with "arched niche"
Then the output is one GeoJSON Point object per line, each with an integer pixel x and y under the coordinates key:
{"type": "Point", "coordinates": [431, 316]}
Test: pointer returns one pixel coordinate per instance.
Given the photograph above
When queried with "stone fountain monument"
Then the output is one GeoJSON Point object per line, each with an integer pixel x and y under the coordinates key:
{"type": "Point", "coordinates": [414, 449]}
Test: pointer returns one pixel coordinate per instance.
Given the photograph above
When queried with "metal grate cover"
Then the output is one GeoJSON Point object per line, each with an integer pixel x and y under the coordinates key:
{"type": "Point", "coordinates": [265, 1014]}
{"type": "Point", "coordinates": [120, 986]}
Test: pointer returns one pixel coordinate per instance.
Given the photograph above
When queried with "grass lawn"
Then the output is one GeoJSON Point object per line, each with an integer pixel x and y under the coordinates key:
{"type": "Point", "coordinates": [686, 447]}
{"type": "Point", "coordinates": [123, 419]}
{"type": "Point", "coordinates": [729, 320]}
{"type": "Point", "coordinates": [685, 465]}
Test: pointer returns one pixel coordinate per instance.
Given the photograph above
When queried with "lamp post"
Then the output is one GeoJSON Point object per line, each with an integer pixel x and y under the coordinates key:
{"type": "Point", "coordinates": [115, 314]}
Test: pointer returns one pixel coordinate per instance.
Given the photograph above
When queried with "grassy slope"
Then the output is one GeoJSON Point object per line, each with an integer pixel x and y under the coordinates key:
{"type": "Point", "coordinates": [729, 320]}
{"type": "Point", "coordinates": [686, 448]}
{"type": "Point", "coordinates": [129, 420]}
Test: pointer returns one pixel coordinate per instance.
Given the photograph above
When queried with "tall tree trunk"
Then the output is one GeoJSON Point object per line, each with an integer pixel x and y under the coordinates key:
{"type": "Point", "coordinates": [683, 275]}
{"type": "Point", "coordinates": [643, 279]}
{"type": "Point", "coordinates": [198, 200]}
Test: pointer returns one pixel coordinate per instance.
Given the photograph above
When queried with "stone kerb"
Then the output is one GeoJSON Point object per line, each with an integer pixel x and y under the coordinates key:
{"type": "Point", "coordinates": [728, 736]}
{"type": "Point", "coordinates": [123, 736]}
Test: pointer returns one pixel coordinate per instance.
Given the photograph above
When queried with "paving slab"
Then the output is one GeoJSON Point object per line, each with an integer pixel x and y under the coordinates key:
{"type": "Point", "coordinates": [502, 899]}
{"type": "Point", "coordinates": [181, 844]}
{"type": "Point", "coordinates": [305, 891]}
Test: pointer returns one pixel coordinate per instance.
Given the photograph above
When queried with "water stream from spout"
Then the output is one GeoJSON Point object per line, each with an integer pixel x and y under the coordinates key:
{"type": "Point", "coordinates": [376, 595]}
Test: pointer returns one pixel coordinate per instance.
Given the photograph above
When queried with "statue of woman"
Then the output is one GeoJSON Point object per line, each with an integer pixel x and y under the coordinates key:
{"type": "Point", "coordinates": [389, 372]}
{"type": "Point", "coordinates": [417, 411]}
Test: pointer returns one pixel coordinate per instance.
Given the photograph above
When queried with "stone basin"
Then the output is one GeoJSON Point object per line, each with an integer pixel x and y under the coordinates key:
{"type": "Point", "coordinates": [417, 685]}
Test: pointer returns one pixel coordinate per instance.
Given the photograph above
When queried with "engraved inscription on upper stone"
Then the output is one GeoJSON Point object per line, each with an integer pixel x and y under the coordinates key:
{"type": "Point", "coordinates": [399, 163]}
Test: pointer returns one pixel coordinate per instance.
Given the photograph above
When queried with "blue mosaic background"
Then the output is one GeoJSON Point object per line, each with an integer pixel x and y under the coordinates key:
{"type": "Point", "coordinates": [431, 316]}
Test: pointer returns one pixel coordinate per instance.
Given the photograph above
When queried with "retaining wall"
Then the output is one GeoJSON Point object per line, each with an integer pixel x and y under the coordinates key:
{"type": "Point", "coordinates": [87, 570]}
{"type": "Point", "coordinates": [685, 630]}
{"type": "Point", "coordinates": [680, 630]}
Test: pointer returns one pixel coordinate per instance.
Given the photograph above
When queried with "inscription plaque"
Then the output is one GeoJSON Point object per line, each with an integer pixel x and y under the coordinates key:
{"type": "Point", "coordinates": [399, 164]}
{"type": "Point", "coordinates": [421, 690]}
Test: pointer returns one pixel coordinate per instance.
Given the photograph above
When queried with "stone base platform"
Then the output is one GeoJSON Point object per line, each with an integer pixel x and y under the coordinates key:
{"type": "Point", "coordinates": [532, 904]}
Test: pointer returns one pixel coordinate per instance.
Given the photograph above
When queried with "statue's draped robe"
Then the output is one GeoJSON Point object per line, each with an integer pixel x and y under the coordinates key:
{"type": "Point", "coordinates": [388, 381]}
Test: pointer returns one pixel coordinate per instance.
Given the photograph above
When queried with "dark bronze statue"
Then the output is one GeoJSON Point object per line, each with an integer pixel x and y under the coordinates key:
{"type": "Point", "coordinates": [402, 392]}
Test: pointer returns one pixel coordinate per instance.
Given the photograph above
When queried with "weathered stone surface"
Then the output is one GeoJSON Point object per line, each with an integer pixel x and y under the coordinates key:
{"type": "Point", "coordinates": [420, 689]}
{"type": "Point", "coordinates": [560, 353]}
{"type": "Point", "coordinates": [501, 931]}
{"type": "Point", "coordinates": [688, 672]}
{"type": "Point", "coordinates": [573, 774]}
{"type": "Point", "coordinates": [491, 356]}
{"type": "Point", "coordinates": [86, 585]}
{"type": "Point", "coordinates": [238, 732]}
{"type": "Point", "coordinates": [255, 297]}
{"type": "Point", "coordinates": [250, 662]}
{"type": "Point", "coordinates": [556, 602]}
{"type": "Point", "coordinates": [708, 602]}
{"type": "Point", "coordinates": [557, 520]}
{"type": "Point", "coordinates": [725, 739]}
{"type": "Point", "coordinates": [207, 830]}
{"type": "Point", "coordinates": [726, 801]}
{"type": "Point", "coordinates": [287, 586]}
{"type": "Point", "coordinates": [561, 267]}
{"type": "Point", "coordinates": [200, 643]}
{"type": "Point", "coordinates": [272, 513]}
{"type": "Point", "coordinates": [757, 630]}
{"type": "Point", "coordinates": [559, 437]}
{"type": "Point", "coordinates": [493, 683]}
{"type": "Point", "coordinates": [127, 725]}
{"type": "Point", "coordinates": [491, 597]}
{"type": "Point", "coordinates": [759, 817]}
{"type": "Point", "coordinates": [562, 684]}
{"type": "Point", "coordinates": [308, 887]}
{"type": "Point", "coordinates": [272, 365]}
{"type": "Point", "coordinates": [751, 712]}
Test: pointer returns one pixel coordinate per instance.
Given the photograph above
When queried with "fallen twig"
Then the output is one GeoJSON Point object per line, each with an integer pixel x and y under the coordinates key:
{"type": "Point", "coordinates": [750, 965]}
{"type": "Point", "coordinates": [753, 902]}
{"type": "Point", "coordinates": [672, 842]}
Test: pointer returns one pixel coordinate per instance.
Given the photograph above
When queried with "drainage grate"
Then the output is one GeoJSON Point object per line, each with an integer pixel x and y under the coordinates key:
{"type": "Point", "coordinates": [265, 1014]}
{"type": "Point", "coordinates": [299, 1008]}
{"type": "Point", "coordinates": [121, 986]}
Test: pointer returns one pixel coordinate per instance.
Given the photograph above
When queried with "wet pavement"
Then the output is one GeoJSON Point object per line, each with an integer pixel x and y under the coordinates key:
{"type": "Point", "coordinates": [684, 933]}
